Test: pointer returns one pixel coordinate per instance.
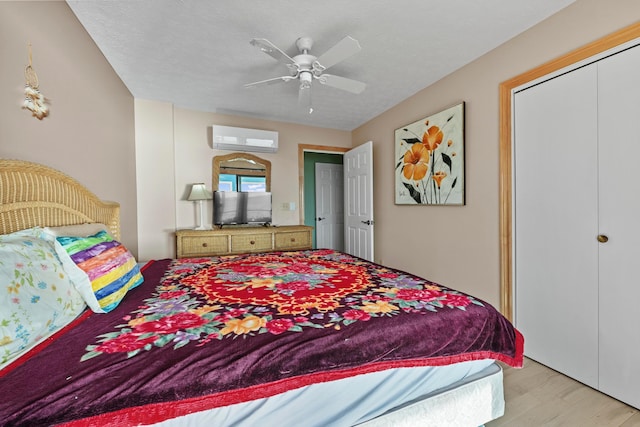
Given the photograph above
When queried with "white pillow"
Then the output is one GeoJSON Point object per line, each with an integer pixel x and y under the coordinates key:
{"type": "Point", "coordinates": [79, 230]}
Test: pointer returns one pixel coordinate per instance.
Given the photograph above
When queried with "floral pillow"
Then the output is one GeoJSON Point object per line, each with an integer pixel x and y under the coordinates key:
{"type": "Point", "coordinates": [111, 270]}
{"type": "Point", "coordinates": [37, 296]}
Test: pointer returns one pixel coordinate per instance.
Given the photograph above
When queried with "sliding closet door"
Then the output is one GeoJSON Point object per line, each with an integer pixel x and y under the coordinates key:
{"type": "Point", "coordinates": [619, 192]}
{"type": "Point", "coordinates": [555, 222]}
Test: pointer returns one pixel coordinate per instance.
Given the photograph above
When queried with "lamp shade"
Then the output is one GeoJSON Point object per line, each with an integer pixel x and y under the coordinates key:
{"type": "Point", "coordinates": [199, 192]}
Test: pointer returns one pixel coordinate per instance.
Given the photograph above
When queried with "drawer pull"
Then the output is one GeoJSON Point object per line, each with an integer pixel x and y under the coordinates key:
{"type": "Point", "coordinates": [204, 245]}
{"type": "Point", "coordinates": [253, 242]}
{"type": "Point", "coordinates": [293, 239]}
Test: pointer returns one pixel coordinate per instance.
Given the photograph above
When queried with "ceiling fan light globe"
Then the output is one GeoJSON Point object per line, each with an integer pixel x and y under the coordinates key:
{"type": "Point", "coordinates": [305, 78]}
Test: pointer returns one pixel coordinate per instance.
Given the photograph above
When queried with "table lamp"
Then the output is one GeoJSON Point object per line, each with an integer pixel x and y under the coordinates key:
{"type": "Point", "coordinates": [199, 193]}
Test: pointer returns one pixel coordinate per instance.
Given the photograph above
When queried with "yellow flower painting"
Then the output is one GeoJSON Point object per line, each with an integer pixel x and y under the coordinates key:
{"type": "Point", "coordinates": [429, 167]}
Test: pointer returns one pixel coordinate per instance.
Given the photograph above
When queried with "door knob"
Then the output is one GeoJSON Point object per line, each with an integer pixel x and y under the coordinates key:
{"type": "Point", "coordinates": [368, 222]}
{"type": "Point", "coordinates": [320, 218]}
{"type": "Point", "coordinates": [602, 238]}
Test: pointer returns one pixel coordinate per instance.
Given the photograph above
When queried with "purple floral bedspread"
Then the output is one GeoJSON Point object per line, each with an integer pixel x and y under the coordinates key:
{"type": "Point", "coordinates": [208, 332]}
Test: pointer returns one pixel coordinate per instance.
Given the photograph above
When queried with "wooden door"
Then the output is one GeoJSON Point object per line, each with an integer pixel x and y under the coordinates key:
{"type": "Point", "coordinates": [555, 223]}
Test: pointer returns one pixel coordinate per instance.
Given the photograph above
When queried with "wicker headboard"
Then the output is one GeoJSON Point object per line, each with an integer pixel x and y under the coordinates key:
{"type": "Point", "coordinates": [35, 195]}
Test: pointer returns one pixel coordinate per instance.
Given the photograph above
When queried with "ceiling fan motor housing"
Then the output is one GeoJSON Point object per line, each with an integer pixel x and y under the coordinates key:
{"type": "Point", "coordinates": [304, 61]}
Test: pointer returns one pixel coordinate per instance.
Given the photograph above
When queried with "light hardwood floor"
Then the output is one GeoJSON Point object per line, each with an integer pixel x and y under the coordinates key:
{"type": "Point", "coordinates": [538, 396]}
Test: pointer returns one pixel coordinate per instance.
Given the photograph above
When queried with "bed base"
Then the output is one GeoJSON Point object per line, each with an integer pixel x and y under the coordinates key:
{"type": "Point", "coordinates": [469, 402]}
{"type": "Point", "coordinates": [474, 401]}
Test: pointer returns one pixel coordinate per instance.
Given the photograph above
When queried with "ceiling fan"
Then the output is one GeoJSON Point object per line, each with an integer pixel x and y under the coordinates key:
{"type": "Point", "coordinates": [306, 67]}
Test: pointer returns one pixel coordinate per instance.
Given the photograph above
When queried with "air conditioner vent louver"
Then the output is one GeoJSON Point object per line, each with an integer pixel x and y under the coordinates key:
{"type": "Point", "coordinates": [243, 139]}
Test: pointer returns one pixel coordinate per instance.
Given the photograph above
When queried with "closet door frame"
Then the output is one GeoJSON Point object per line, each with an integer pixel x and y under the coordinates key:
{"type": "Point", "coordinates": [586, 54]}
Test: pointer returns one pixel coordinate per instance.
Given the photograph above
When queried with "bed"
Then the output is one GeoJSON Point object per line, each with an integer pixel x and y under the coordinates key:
{"type": "Point", "coordinates": [314, 337]}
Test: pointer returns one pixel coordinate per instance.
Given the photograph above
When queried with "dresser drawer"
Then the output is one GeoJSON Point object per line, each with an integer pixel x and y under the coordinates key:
{"type": "Point", "coordinates": [293, 240]}
{"type": "Point", "coordinates": [238, 240]}
{"type": "Point", "coordinates": [203, 245]}
{"type": "Point", "coordinates": [257, 242]}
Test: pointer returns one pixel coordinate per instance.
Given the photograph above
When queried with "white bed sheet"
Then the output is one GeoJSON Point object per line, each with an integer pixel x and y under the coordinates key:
{"type": "Point", "coordinates": [355, 400]}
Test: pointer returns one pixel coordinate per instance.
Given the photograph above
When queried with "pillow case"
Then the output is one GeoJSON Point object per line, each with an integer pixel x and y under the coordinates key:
{"type": "Point", "coordinates": [110, 268]}
{"type": "Point", "coordinates": [37, 296]}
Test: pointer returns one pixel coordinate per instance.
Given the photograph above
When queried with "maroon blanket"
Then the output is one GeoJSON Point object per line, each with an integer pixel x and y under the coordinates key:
{"type": "Point", "coordinates": [204, 333]}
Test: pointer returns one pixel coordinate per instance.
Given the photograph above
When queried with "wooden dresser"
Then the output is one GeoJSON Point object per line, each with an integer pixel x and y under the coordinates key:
{"type": "Point", "coordinates": [235, 240]}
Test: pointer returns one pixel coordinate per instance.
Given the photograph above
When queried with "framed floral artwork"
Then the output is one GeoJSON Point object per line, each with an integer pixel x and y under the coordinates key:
{"type": "Point", "coordinates": [429, 155]}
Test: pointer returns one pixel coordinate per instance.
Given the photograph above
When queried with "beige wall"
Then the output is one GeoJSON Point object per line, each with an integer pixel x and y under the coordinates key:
{"type": "Point", "coordinates": [459, 246]}
{"type": "Point", "coordinates": [174, 151]}
{"type": "Point", "coordinates": [89, 133]}
{"type": "Point", "coordinates": [155, 179]}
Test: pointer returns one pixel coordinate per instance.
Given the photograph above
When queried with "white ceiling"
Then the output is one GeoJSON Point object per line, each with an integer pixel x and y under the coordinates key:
{"type": "Point", "coordinates": [196, 53]}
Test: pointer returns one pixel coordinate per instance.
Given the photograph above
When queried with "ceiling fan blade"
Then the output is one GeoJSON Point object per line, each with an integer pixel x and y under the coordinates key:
{"type": "Point", "coordinates": [304, 98]}
{"type": "Point", "coordinates": [342, 50]}
{"type": "Point", "coordinates": [270, 81]}
{"type": "Point", "coordinates": [272, 50]}
{"type": "Point", "coordinates": [342, 83]}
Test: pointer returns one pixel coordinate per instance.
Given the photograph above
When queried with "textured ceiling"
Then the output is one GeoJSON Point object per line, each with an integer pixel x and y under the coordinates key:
{"type": "Point", "coordinates": [196, 53]}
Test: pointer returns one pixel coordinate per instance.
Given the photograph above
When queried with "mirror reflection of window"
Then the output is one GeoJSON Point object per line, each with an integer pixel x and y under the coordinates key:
{"type": "Point", "coordinates": [252, 183]}
{"type": "Point", "coordinates": [231, 182]}
{"type": "Point", "coordinates": [227, 182]}
{"type": "Point", "coordinates": [225, 186]}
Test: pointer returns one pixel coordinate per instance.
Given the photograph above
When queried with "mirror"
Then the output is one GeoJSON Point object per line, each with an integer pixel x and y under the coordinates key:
{"type": "Point", "coordinates": [235, 171]}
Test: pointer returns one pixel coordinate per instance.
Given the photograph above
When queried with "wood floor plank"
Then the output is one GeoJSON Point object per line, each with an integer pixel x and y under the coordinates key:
{"type": "Point", "coordinates": [539, 396]}
{"type": "Point", "coordinates": [634, 421]}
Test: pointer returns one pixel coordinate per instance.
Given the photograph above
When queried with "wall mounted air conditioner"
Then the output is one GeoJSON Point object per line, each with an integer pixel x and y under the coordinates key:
{"type": "Point", "coordinates": [242, 139]}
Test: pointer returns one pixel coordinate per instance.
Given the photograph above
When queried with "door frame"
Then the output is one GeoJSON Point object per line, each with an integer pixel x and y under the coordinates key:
{"type": "Point", "coordinates": [302, 148]}
{"type": "Point", "coordinates": [506, 93]}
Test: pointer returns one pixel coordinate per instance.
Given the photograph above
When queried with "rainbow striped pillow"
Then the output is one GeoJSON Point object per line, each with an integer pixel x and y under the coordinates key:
{"type": "Point", "coordinates": [110, 267]}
